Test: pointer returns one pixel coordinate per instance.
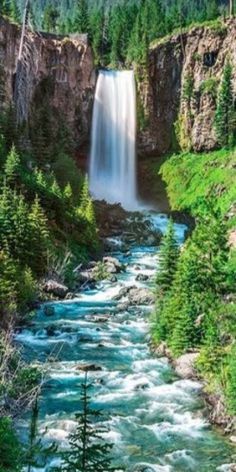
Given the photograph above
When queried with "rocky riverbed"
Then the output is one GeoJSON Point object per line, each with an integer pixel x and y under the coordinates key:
{"type": "Point", "coordinates": [157, 420]}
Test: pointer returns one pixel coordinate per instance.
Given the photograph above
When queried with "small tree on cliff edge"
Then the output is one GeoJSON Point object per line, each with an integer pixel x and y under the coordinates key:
{"type": "Point", "coordinates": [88, 450]}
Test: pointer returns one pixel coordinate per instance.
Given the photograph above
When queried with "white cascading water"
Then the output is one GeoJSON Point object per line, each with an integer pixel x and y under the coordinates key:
{"type": "Point", "coordinates": [112, 173]}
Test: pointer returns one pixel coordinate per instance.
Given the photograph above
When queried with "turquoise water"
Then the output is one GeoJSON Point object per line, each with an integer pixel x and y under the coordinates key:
{"type": "Point", "coordinates": [155, 418]}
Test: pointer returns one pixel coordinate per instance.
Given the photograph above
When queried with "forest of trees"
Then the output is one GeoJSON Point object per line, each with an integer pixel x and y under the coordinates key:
{"type": "Point", "coordinates": [119, 31]}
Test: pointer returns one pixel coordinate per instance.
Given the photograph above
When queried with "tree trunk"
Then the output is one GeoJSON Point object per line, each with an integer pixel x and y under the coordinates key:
{"type": "Point", "coordinates": [231, 8]}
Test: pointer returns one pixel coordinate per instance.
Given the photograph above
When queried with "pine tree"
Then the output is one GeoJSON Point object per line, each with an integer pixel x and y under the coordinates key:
{"type": "Point", "coordinates": [225, 117]}
{"type": "Point", "coordinates": [14, 11]}
{"type": "Point", "coordinates": [12, 166]}
{"type": "Point", "coordinates": [50, 17]}
{"type": "Point", "coordinates": [68, 194]}
{"type": "Point", "coordinates": [168, 258]}
{"type": "Point", "coordinates": [81, 23]}
{"type": "Point", "coordinates": [88, 450]}
{"type": "Point", "coordinates": [85, 196]}
{"type": "Point", "coordinates": [39, 237]}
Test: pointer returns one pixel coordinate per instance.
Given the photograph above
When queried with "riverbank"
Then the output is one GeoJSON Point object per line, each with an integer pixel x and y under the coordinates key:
{"type": "Point", "coordinates": [157, 421]}
{"type": "Point", "coordinates": [201, 298]}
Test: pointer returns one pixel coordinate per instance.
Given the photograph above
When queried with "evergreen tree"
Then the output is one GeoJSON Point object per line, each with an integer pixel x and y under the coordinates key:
{"type": "Point", "coordinates": [88, 450]}
{"type": "Point", "coordinates": [39, 237]}
{"type": "Point", "coordinates": [14, 11]}
{"type": "Point", "coordinates": [68, 194]}
{"type": "Point", "coordinates": [50, 17]}
{"type": "Point", "coordinates": [10, 450]}
{"type": "Point", "coordinates": [12, 166]}
{"type": "Point", "coordinates": [168, 258]}
{"type": "Point", "coordinates": [225, 117]}
{"type": "Point", "coordinates": [85, 196]}
{"type": "Point", "coordinates": [81, 23]}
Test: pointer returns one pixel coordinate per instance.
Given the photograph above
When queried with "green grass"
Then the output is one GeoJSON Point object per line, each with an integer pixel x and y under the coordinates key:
{"type": "Point", "coordinates": [196, 180]}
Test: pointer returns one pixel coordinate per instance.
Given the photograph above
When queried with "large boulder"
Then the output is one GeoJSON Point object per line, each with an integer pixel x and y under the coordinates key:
{"type": "Point", "coordinates": [88, 367]}
{"type": "Point", "coordinates": [185, 365]}
{"type": "Point", "coordinates": [136, 295]}
{"type": "Point", "coordinates": [141, 296]}
{"type": "Point", "coordinates": [55, 288]}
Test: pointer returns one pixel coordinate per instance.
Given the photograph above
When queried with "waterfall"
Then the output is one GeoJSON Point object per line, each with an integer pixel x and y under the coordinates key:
{"type": "Point", "coordinates": [112, 172]}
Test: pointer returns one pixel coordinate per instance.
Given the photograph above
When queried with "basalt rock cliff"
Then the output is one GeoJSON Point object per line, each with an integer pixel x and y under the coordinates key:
{"type": "Point", "coordinates": [54, 72]}
{"type": "Point", "coordinates": [177, 92]}
{"type": "Point", "coordinates": [180, 88]}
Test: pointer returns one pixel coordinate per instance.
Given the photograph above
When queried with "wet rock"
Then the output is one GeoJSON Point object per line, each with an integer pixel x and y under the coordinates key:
{"type": "Point", "coordinates": [88, 367]}
{"type": "Point", "coordinates": [232, 468]}
{"type": "Point", "coordinates": [185, 365]}
{"type": "Point", "coordinates": [55, 288]}
{"type": "Point", "coordinates": [143, 468]}
{"type": "Point", "coordinates": [69, 296]}
{"type": "Point", "coordinates": [86, 276]}
{"type": "Point", "coordinates": [122, 307]}
{"type": "Point", "coordinates": [141, 296]}
{"type": "Point", "coordinates": [112, 261]}
{"type": "Point", "coordinates": [113, 279]}
{"type": "Point", "coordinates": [49, 310]}
{"type": "Point", "coordinates": [124, 291]}
{"type": "Point", "coordinates": [50, 331]}
{"type": "Point", "coordinates": [142, 278]}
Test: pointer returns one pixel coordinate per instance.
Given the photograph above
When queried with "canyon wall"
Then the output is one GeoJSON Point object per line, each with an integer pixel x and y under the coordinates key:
{"type": "Point", "coordinates": [180, 90]}
{"type": "Point", "coordinates": [55, 73]}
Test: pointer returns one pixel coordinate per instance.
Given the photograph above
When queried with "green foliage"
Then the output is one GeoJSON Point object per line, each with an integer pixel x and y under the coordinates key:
{"type": "Point", "coordinates": [10, 450]}
{"type": "Point", "coordinates": [167, 257]}
{"type": "Point", "coordinates": [187, 90]}
{"type": "Point", "coordinates": [210, 87]}
{"type": "Point", "coordinates": [198, 181]}
{"type": "Point", "coordinates": [225, 117]}
{"type": "Point", "coordinates": [50, 17]}
{"type": "Point", "coordinates": [12, 167]}
{"type": "Point", "coordinates": [88, 450]}
{"type": "Point", "coordinates": [198, 310]}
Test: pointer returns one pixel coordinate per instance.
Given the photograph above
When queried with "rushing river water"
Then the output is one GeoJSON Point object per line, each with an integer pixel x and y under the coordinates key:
{"type": "Point", "coordinates": [155, 418]}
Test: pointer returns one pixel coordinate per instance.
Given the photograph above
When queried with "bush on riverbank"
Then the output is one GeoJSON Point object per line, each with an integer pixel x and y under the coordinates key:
{"type": "Point", "coordinates": [198, 309]}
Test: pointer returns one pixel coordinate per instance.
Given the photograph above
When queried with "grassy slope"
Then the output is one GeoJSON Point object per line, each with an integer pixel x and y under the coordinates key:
{"type": "Point", "coordinates": [194, 180]}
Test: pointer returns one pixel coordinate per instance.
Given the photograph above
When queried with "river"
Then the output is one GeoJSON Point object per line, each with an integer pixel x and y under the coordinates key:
{"type": "Point", "coordinates": [156, 418]}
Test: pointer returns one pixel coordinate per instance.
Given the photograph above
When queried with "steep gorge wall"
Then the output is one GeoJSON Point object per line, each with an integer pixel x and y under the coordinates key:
{"type": "Point", "coordinates": [179, 95]}
{"type": "Point", "coordinates": [63, 65]}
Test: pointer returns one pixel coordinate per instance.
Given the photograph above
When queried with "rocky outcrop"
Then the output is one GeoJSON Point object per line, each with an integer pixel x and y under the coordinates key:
{"type": "Point", "coordinates": [179, 93]}
{"type": "Point", "coordinates": [63, 65]}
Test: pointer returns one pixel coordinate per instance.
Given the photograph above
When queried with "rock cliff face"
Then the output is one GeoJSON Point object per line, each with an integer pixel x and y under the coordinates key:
{"type": "Point", "coordinates": [179, 96]}
{"type": "Point", "coordinates": [63, 65]}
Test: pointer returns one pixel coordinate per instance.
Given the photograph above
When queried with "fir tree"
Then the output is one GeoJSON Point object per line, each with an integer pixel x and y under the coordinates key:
{"type": "Point", "coordinates": [12, 166]}
{"type": "Point", "coordinates": [68, 194]}
{"type": "Point", "coordinates": [88, 450]}
{"type": "Point", "coordinates": [81, 23]}
{"type": "Point", "coordinates": [39, 237]}
{"type": "Point", "coordinates": [225, 117]}
{"type": "Point", "coordinates": [168, 258]}
{"type": "Point", "coordinates": [50, 17]}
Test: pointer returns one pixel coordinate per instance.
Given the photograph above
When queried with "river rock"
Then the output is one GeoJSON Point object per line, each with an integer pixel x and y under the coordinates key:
{"type": "Point", "coordinates": [143, 468]}
{"type": "Point", "coordinates": [141, 296]}
{"type": "Point", "coordinates": [86, 276]}
{"type": "Point", "coordinates": [185, 365]}
{"type": "Point", "coordinates": [49, 310]}
{"type": "Point", "coordinates": [55, 288]}
{"type": "Point", "coordinates": [87, 367]}
{"type": "Point", "coordinates": [142, 278]}
{"type": "Point", "coordinates": [124, 291]}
